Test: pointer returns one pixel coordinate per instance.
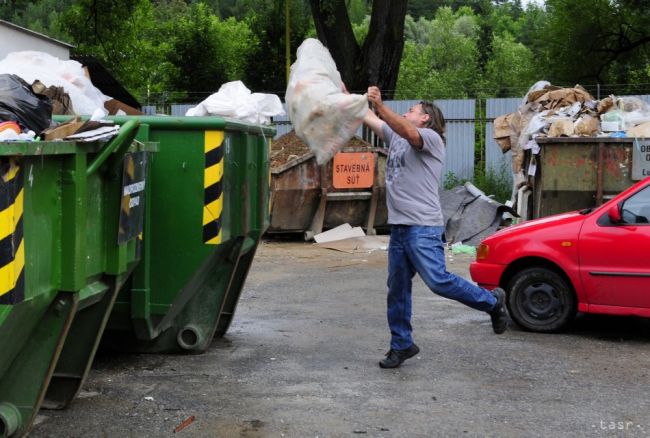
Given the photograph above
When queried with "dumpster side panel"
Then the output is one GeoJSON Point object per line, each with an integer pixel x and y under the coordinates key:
{"type": "Point", "coordinates": [42, 217]}
{"type": "Point", "coordinates": [40, 203]}
{"type": "Point", "coordinates": [102, 264]}
{"type": "Point", "coordinates": [255, 196]}
{"type": "Point", "coordinates": [175, 216]}
{"type": "Point", "coordinates": [295, 194]}
{"type": "Point", "coordinates": [575, 173]}
{"type": "Point", "coordinates": [298, 188]}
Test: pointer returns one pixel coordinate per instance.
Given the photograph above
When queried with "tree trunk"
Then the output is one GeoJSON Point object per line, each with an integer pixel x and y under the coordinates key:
{"type": "Point", "coordinates": [377, 62]}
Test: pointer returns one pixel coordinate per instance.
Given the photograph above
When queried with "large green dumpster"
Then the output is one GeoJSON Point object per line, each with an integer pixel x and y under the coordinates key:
{"type": "Point", "coordinates": [61, 267]}
{"type": "Point", "coordinates": [208, 202]}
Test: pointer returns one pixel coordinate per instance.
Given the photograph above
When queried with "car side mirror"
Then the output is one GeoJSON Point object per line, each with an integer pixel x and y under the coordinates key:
{"type": "Point", "coordinates": [614, 214]}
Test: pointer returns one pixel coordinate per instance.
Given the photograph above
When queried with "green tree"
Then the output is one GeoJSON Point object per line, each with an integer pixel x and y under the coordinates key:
{"type": "Point", "coordinates": [358, 10]}
{"type": "Point", "coordinates": [238, 43]}
{"type": "Point", "coordinates": [196, 55]}
{"type": "Point", "coordinates": [40, 16]}
{"type": "Point", "coordinates": [360, 30]}
{"type": "Point", "coordinates": [511, 69]}
{"type": "Point", "coordinates": [418, 31]}
{"type": "Point", "coordinates": [447, 65]}
{"type": "Point", "coordinates": [266, 66]}
{"type": "Point", "coordinates": [609, 40]}
{"type": "Point", "coordinates": [118, 33]}
{"type": "Point", "coordinates": [239, 9]}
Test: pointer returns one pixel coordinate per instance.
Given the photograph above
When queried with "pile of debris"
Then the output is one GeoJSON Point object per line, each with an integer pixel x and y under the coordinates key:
{"type": "Point", "coordinates": [290, 147]}
{"type": "Point", "coordinates": [34, 86]}
{"type": "Point", "coordinates": [551, 111]}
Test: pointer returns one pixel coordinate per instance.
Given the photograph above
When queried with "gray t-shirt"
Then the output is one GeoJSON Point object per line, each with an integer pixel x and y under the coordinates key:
{"type": "Point", "coordinates": [413, 179]}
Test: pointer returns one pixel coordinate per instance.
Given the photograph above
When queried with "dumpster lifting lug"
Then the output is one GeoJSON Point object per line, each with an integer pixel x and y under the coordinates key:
{"type": "Point", "coordinates": [10, 419]}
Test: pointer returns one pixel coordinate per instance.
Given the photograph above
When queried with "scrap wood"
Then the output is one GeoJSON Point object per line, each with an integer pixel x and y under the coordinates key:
{"type": "Point", "coordinates": [189, 420]}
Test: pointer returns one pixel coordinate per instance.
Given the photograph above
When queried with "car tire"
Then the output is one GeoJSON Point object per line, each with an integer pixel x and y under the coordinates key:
{"type": "Point", "coordinates": [541, 300]}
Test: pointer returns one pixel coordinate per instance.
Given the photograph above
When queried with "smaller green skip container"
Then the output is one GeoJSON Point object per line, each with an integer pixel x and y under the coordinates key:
{"type": "Point", "coordinates": [208, 206]}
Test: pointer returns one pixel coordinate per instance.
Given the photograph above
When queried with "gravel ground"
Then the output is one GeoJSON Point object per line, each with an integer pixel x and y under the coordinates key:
{"type": "Point", "coordinates": [300, 360]}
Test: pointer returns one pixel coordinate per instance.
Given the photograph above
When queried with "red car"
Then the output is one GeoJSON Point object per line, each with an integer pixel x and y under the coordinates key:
{"type": "Point", "coordinates": [592, 261]}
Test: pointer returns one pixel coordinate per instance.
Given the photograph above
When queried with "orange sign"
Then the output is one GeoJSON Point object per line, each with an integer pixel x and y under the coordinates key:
{"type": "Point", "coordinates": [353, 170]}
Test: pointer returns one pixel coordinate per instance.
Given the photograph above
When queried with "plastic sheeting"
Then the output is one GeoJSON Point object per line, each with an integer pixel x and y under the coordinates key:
{"type": "Point", "coordinates": [51, 71]}
{"type": "Point", "coordinates": [470, 218]}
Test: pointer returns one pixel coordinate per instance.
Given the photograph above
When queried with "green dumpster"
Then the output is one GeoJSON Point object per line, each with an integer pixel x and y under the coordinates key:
{"type": "Point", "coordinates": [208, 206]}
{"type": "Point", "coordinates": [61, 266]}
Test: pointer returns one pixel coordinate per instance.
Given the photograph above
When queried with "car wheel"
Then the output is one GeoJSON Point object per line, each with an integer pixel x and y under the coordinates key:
{"type": "Point", "coordinates": [540, 300]}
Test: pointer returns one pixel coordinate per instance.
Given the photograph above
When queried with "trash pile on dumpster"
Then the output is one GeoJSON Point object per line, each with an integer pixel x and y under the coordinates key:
{"type": "Point", "coordinates": [551, 111]}
{"type": "Point", "coordinates": [234, 100]}
{"type": "Point", "coordinates": [66, 78]}
{"type": "Point", "coordinates": [290, 147]}
{"type": "Point", "coordinates": [58, 87]}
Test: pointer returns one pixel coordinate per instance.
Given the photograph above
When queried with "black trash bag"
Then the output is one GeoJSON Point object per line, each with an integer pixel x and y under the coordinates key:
{"type": "Point", "coordinates": [18, 103]}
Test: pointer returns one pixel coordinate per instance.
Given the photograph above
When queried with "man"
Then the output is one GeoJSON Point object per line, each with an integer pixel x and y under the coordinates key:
{"type": "Point", "coordinates": [416, 155]}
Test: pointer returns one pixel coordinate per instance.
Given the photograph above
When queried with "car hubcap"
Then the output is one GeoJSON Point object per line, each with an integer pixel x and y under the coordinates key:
{"type": "Point", "coordinates": [541, 301]}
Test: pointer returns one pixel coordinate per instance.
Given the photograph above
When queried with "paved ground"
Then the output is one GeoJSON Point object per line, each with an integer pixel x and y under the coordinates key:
{"type": "Point", "coordinates": [300, 360]}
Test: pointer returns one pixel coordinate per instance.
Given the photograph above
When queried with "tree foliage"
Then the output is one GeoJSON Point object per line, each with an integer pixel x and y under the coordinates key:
{"type": "Point", "coordinates": [196, 54]}
{"type": "Point", "coordinates": [511, 69]}
{"type": "Point", "coordinates": [443, 48]}
{"type": "Point", "coordinates": [446, 65]}
{"type": "Point", "coordinates": [609, 40]}
{"type": "Point", "coordinates": [266, 68]}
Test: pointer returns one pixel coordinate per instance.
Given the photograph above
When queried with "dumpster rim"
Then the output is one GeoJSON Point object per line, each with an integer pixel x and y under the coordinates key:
{"type": "Point", "coordinates": [276, 170]}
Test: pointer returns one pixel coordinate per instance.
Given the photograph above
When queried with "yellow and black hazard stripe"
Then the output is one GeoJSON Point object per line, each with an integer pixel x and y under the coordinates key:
{"type": "Point", "coordinates": [12, 244]}
{"type": "Point", "coordinates": [213, 187]}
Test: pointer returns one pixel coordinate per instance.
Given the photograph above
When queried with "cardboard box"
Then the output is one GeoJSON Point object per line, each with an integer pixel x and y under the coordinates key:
{"type": "Point", "coordinates": [114, 105]}
{"type": "Point", "coordinates": [63, 130]}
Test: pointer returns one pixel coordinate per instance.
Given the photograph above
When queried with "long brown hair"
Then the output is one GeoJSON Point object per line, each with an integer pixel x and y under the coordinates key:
{"type": "Point", "coordinates": [436, 119]}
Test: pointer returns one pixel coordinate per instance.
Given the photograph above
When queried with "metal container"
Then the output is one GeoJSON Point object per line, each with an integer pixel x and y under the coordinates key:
{"type": "Point", "coordinates": [580, 172]}
{"type": "Point", "coordinates": [350, 188]}
{"type": "Point", "coordinates": [63, 263]}
{"type": "Point", "coordinates": [209, 206]}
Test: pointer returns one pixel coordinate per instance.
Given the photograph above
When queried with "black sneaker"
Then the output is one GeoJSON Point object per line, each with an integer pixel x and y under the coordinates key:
{"type": "Point", "coordinates": [394, 358]}
{"type": "Point", "coordinates": [499, 314]}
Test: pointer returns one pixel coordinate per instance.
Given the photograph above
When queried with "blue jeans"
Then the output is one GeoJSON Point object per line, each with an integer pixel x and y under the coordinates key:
{"type": "Point", "coordinates": [420, 249]}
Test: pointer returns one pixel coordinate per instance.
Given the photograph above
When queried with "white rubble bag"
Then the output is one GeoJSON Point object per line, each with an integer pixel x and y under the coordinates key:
{"type": "Point", "coordinates": [52, 71]}
{"type": "Point", "coordinates": [322, 115]}
{"type": "Point", "coordinates": [235, 101]}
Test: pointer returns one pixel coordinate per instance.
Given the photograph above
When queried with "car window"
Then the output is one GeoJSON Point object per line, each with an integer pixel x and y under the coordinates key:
{"type": "Point", "coordinates": [636, 208]}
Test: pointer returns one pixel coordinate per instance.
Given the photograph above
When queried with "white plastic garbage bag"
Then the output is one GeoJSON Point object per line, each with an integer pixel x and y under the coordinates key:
{"type": "Point", "coordinates": [234, 100]}
{"type": "Point", "coordinates": [322, 115]}
{"type": "Point", "coordinates": [52, 71]}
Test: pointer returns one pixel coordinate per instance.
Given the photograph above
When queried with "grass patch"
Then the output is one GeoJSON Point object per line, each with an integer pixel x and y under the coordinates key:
{"type": "Point", "coordinates": [491, 182]}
